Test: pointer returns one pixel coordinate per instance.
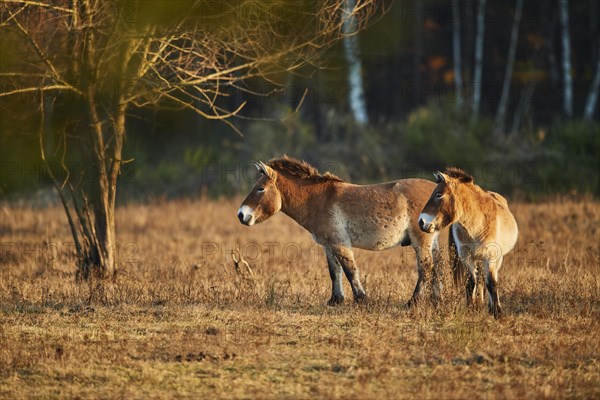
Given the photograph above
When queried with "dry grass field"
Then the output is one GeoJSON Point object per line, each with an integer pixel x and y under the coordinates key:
{"type": "Point", "coordinates": [180, 322]}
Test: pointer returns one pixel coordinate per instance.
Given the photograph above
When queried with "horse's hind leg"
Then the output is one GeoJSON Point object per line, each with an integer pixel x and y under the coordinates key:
{"type": "Point", "coordinates": [417, 292]}
{"type": "Point", "coordinates": [345, 258]}
{"type": "Point", "coordinates": [335, 272]}
{"type": "Point", "coordinates": [424, 268]}
{"type": "Point", "coordinates": [491, 283]}
{"type": "Point", "coordinates": [472, 282]}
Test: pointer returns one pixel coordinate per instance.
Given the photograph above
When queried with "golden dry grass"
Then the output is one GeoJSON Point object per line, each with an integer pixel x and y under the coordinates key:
{"type": "Point", "coordinates": [180, 322]}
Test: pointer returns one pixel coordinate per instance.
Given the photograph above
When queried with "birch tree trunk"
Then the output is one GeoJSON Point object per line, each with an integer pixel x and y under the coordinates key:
{"type": "Point", "coordinates": [522, 106]}
{"type": "Point", "coordinates": [566, 47]}
{"type": "Point", "coordinates": [355, 81]}
{"type": "Point", "coordinates": [477, 78]}
{"type": "Point", "coordinates": [456, 54]}
{"type": "Point", "coordinates": [590, 104]}
{"type": "Point", "coordinates": [469, 22]}
{"type": "Point", "coordinates": [510, 62]}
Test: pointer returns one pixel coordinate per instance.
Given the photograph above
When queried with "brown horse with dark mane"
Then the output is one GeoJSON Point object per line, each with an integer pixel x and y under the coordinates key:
{"type": "Point", "coordinates": [483, 228]}
{"type": "Point", "coordinates": [341, 215]}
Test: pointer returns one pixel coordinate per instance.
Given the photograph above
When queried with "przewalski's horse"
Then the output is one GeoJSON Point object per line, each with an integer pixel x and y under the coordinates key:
{"type": "Point", "coordinates": [483, 228]}
{"type": "Point", "coordinates": [341, 215]}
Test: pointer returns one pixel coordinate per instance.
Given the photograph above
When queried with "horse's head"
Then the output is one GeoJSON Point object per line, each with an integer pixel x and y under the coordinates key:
{"type": "Point", "coordinates": [264, 199]}
{"type": "Point", "coordinates": [441, 209]}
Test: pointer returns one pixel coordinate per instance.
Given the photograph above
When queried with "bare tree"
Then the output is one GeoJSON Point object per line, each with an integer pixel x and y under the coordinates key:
{"type": "Point", "coordinates": [456, 54]}
{"type": "Point", "coordinates": [355, 81]}
{"type": "Point", "coordinates": [101, 59]}
{"type": "Point", "coordinates": [510, 62]}
{"type": "Point", "coordinates": [566, 48]}
{"type": "Point", "coordinates": [523, 106]}
{"type": "Point", "coordinates": [477, 78]}
{"type": "Point", "coordinates": [592, 99]}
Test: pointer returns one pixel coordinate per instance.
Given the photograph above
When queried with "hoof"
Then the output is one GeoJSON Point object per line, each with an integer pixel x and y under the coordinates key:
{"type": "Point", "coordinates": [335, 301]}
{"type": "Point", "coordinates": [436, 300]}
{"type": "Point", "coordinates": [411, 303]}
{"type": "Point", "coordinates": [495, 311]}
{"type": "Point", "coordinates": [360, 298]}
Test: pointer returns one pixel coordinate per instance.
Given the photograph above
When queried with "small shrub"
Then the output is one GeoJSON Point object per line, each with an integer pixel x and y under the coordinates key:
{"type": "Point", "coordinates": [570, 160]}
{"type": "Point", "coordinates": [442, 134]}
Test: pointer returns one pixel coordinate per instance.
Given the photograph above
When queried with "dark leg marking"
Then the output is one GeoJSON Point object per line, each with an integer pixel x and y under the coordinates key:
{"type": "Point", "coordinates": [337, 296]}
{"type": "Point", "coordinates": [494, 301]}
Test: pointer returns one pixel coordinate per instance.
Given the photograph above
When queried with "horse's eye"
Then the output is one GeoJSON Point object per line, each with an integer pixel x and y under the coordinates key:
{"type": "Point", "coordinates": [261, 189]}
{"type": "Point", "coordinates": [439, 195]}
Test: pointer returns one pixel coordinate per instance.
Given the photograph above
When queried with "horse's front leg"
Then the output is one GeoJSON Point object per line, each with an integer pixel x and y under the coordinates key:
{"type": "Point", "coordinates": [471, 282]}
{"type": "Point", "coordinates": [438, 263]}
{"type": "Point", "coordinates": [335, 272]}
{"type": "Point", "coordinates": [457, 266]}
{"type": "Point", "coordinates": [345, 257]}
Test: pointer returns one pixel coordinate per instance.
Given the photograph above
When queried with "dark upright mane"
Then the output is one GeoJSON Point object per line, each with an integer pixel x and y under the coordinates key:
{"type": "Point", "coordinates": [300, 169]}
{"type": "Point", "coordinates": [459, 174]}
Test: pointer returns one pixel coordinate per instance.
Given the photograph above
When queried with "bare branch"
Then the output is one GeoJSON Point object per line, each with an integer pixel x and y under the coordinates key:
{"type": "Point", "coordinates": [53, 177]}
{"type": "Point", "coordinates": [42, 88]}
{"type": "Point", "coordinates": [37, 49]}
{"type": "Point", "coordinates": [202, 113]}
{"type": "Point", "coordinates": [40, 4]}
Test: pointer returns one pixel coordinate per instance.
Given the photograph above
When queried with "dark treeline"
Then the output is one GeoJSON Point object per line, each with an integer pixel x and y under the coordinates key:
{"type": "Point", "coordinates": [419, 115]}
{"type": "Point", "coordinates": [407, 60]}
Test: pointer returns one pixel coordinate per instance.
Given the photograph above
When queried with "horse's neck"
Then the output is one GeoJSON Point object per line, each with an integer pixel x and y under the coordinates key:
{"type": "Point", "coordinates": [472, 216]}
{"type": "Point", "coordinates": [295, 200]}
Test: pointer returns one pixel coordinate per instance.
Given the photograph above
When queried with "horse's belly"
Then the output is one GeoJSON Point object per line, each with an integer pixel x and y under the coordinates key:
{"type": "Point", "coordinates": [491, 250]}
{"type": "Point", "coordinates": [378, 237]}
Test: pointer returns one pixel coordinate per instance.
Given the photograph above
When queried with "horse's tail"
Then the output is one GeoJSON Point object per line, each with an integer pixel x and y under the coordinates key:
{"type": "Point", "coordinates": [458, 268]}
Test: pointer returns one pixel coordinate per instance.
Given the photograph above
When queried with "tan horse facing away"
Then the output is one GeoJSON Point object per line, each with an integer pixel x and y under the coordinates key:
{"type": "Point", "coordinates": [341, 215]}
{"type": "Point", "coordinates": [483, 228]}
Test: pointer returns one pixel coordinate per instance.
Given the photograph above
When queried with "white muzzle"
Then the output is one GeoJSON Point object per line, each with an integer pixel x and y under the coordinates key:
{"type": "Point", "coordinates": [246, 215]}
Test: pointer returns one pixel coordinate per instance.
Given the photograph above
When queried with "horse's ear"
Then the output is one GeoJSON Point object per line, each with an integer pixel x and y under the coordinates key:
{"type": "Point", "coordinates": [439, 177]}
{"type": "Point", "coordinates": [259, 167]}
{"type": "Point", "coordinates": [265, 169]}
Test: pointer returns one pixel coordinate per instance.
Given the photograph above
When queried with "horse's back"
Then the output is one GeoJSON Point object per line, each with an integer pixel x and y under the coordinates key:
{"type": "Point", "coordinates": [414, 187]}
{"type": "Point", "coordinates": [415, 192]}
{"type": "Point", "coordinates": [381, 215]}
{"type": "Point", "coordinates": [405, 196]}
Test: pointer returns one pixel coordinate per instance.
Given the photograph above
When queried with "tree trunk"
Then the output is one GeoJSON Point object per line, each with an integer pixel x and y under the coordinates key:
{"type": "Point", "coordinates": [590, 104]}
{"type": "Point", "coordinates": [523, 106]}
{"type": "Point", "coordinates": [594, 27]}
{"type": "Point", "coordinates": [469, 51]}
{"type": "Point", "coordinates": [477, 78]}
{"type": "Point", "coordinates": [514, 36]}
{"type": "Point", "coordinates": [104, 222]}
{"type": "Point", "coordinates": [355, 81]}
{"type": "Point", "coordinates": [566, 47]}
{"type": "Point", "coordinates": [105, 156]}
{"type": "Point", "coordinates": [456, 54]}
{"type": "Point", "coordinates": [550, 28]}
